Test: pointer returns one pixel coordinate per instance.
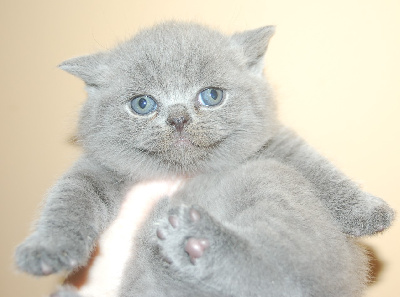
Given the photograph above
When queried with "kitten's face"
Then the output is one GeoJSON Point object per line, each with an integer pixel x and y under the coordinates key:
{"type": "Point", "coordinates": [176, 98]}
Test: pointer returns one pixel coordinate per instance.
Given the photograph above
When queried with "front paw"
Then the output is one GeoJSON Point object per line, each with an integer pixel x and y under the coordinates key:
{"type": "Point", "coordinates": [41, 255]}
{"type": "Point", "coordinates": [187, 238]}
{"type": "Point", "coordinates": [372, 215]}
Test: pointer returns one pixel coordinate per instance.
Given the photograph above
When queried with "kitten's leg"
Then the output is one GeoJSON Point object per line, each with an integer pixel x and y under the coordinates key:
{"type": "Point", "coordinates": [77, 209]}
{"type": "Point", "coordinates": [359, 213]}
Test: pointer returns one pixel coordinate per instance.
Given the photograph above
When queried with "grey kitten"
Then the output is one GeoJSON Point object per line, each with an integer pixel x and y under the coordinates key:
{"type": "Point", "coordinates": [261, 213]}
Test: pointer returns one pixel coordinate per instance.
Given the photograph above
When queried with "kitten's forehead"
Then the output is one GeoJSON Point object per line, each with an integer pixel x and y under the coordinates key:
{"type": "Point", "coordinates": [177, 41]}
{"type": "Point", "coordinates": [176, 56]}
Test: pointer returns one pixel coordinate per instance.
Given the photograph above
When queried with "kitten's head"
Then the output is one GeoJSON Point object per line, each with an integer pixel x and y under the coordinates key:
{"type": "Point", "coordinates": [176, 98]}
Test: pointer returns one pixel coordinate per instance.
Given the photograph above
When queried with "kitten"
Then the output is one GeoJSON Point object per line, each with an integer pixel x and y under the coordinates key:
{"type": "Point", "coordinates": [244, 207]}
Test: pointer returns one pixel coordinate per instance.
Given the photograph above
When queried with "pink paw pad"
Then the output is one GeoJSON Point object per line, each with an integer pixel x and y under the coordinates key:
{"type": "Point", "coordinates": [195, 248]}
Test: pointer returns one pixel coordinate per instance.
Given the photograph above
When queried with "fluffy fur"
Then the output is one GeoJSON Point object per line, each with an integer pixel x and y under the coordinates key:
{"type": "Point", "coordinates": [260, 212]}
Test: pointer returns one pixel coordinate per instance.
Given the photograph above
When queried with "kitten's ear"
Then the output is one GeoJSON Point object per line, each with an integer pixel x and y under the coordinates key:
{"type": "Point", "coordinates": [92, 69]}
{"type": "Point", "coordinates": [254, 44]}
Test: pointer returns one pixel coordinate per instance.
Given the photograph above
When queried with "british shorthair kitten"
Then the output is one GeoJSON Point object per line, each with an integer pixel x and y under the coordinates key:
{"type": "Point", "coordinates": [187, 164]}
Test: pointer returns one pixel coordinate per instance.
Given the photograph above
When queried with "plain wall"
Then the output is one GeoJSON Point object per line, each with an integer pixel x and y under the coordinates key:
{"type": "Point", "coordinates": [334, 65]}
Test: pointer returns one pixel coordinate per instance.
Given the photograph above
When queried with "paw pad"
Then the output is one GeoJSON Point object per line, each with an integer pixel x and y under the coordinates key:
{"type": "Point", "coordinates": [46, 269]}
{"type": "Point", "coordinates": [173, 220]}
{"type": "Point", "coordinates": [194, 215]}
{"type": "Point", "coordinates": [195, 248]}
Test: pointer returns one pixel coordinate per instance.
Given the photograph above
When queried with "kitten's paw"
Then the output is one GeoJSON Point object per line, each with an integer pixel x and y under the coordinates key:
{"type": "Point", "coordinates": [40, 256]}
{"type": "Point", "coordinates": [186, 236]}
{"type": "Point", "coordinates": [372, 215]}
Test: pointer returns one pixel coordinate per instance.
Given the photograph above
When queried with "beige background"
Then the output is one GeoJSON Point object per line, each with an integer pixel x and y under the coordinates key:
{"type": "Point", "coordinates": [335, 66]}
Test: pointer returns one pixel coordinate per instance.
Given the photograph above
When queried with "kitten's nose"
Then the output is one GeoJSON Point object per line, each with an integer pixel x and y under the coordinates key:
{"type": "Point", "coordinates": [179, 123]}
{"type": "Point", "coordinates": [178, 117]}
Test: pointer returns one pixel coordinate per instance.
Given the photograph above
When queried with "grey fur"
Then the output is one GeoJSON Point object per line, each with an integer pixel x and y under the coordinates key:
{"type": "Point", "coordinates": [279, 217]}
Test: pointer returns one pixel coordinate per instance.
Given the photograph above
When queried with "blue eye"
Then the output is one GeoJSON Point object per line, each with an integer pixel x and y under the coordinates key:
{"type": "Point", "coordinates": [143, 105]}
{"type": "Point", "coordinates": [211, 97]}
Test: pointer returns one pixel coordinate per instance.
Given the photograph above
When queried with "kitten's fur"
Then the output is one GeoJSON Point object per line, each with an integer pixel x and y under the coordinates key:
{"type": "Point", "coordinates": [275, 217]}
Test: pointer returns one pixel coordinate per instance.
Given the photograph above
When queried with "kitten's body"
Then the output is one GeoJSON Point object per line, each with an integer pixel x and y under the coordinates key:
{"type": "Point", "coordinates": [272, 237]}
{"type": "Point", "coordinates": [270, 214]}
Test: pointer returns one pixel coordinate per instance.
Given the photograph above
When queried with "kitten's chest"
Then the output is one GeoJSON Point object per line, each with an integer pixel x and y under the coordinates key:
{"type": "Point", "coordinates": [103, 275]}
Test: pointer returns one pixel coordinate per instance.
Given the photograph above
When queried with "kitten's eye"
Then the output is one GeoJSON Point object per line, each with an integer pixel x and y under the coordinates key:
{"type": "Point", "coordinates": [143, 105]}
{"type": "Point", "coordinates": [211, 97]}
